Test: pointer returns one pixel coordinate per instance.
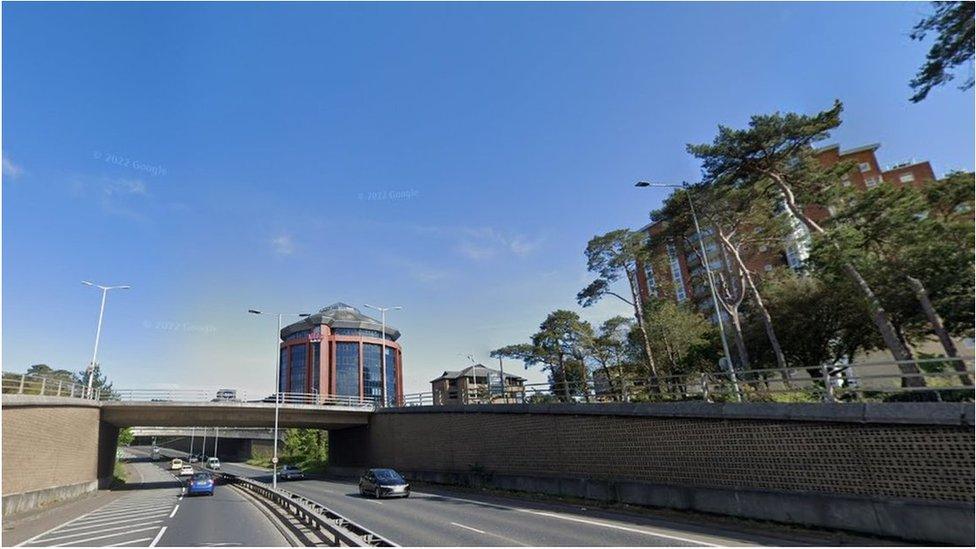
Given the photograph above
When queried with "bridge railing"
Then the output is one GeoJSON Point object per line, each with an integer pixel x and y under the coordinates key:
{"type": "Point", "coordinates": [926, 379]}
{"type": "Point", "coordinates": [211, 395]}
{"type": "Point", "coordinates": [24, 384]}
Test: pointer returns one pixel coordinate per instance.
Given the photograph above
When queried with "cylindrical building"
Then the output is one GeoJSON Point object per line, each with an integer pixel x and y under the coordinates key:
{"type": "Point", "coordinates": [338, 352]}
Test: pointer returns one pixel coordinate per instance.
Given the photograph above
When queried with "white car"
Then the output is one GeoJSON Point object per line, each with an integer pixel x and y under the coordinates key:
{"type": "Point", "coordinates": [186, 470]}
{"type": "Point", "coordinates": [176, 464]}
{"type": "Point", "coordinates": [213, 464]}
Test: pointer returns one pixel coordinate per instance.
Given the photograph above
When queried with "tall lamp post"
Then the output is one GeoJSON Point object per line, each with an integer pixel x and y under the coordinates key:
{"type": "Point", "coordinates": [708, 273]}
{"type": "Point", "coordinates": [274, 458]}
{"type": "Point", "coordinates": [383, 311]}
{"type": "Point", "coordinates": [98, 331]}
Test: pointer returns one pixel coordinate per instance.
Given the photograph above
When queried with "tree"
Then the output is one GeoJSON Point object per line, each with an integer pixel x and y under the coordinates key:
{"type": "Point", "coordinates": [611, 256]}
{"type": "Point", "coordinates": [953, 21]}
{"type": "Point", "coordinates": [822, 321]}
{"type": "Point", "coordinates": [913, 252]}
{"type": "Point", "coordinates": [608, 350]}
{"type": "Point", "coordinates": [43, 370]}
{"type": "Point", "coordinates": [99, 380]}
{"type": "Point", "coordinates": [775, 152]}
{"type": "Point", "coordinates": [684, 336]}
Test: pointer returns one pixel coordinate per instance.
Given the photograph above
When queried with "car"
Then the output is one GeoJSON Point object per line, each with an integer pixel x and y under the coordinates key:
{"type": "Point", "coordinates": [226, 395]}
{"type": "Point", "coordinates": [200, 483]}
{"type": "Point", "coordinates": [290, 472]}
{"type": "Point", "coordinates": [382, 483]}
{"type": "Point", "coordinates": [193, 458]}
{"type": "Point", "coordinates": [176, 464]}
{"type": "Point", "coordinates": [186, 470]}
{"type": "Point", "coordinates": [213, 464]}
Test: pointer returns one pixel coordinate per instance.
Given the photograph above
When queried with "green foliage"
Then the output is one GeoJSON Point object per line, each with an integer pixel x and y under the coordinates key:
{"type": "Point", "coordinates": [125, 436]}
{"type": "Point", "coordinates": [681, 339]}
{"type": "Point", "coordinates": [953, 21]}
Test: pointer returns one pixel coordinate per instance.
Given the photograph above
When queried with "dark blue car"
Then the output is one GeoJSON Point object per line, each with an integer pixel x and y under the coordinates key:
{"type": "Point", "coordinates": [200, 483]}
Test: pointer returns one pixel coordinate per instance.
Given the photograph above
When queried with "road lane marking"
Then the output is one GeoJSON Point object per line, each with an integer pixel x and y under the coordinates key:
{"type": "Point", "coordinates": [99, 524]}
{"type": "Point", "coordinates": [86, 540]}
{"type": "Point", "coordinates": [46, 532]}
{"type": "Point", "coordinates": [121, 543]}
{"type": "Point", "coordinates": [128, 542]}
{"type": "Point", "coordinates": [468, 528]}
{"type": "Point", "coordinates": [576, 519]}
{"type": "Point", "coordinates": [374, 501]}
{"type": "Point", "coordinates": [128, 512]}
{"type": "Point", "coordinates": [97, 532]}
{"type": "Point", "coordinates": [171, 515]}
{"type": "Point", "coordinates": [159, 535]}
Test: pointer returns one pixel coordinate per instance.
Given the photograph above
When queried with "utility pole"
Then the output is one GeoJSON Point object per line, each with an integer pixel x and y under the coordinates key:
{"type": "Point", "coordinates": [383, 311]}
{"type": "Point", "coordinates": [98, 331]}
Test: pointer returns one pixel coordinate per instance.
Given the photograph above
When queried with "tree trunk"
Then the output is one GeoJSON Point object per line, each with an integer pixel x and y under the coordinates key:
{"type": "Point", "coordinates": [900, 352]}
{"type": "Point", "coordinates": [936, 321]}
{"type": "Point", "coordinates": [767, 320]}
{"type": "Point", "coordinates": [639, 313]}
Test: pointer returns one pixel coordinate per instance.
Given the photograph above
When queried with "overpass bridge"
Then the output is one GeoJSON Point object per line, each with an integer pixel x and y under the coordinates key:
{"type": "Point", "coordinates": [898, 469]}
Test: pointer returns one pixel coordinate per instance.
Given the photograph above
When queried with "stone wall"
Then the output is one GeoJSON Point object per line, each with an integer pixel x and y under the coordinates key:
{"type": "Point", "coordinates": [903, 470]}
{"type": "Point", "coordinates": [51, 450]}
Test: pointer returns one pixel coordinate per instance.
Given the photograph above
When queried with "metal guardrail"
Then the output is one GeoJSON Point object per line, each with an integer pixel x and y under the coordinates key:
{"type": "Point", "coordinates": [342, 531]}
{"type": "Point", "coordinates": [939, 378]}
{"type": "Point", "coordinates": [24, 384]}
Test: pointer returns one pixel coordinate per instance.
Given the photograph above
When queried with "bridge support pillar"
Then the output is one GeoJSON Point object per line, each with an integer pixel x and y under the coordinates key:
{"type": "Point", "coordinates": [108, 444]}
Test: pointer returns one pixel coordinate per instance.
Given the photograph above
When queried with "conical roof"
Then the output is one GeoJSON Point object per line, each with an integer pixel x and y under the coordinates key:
{"type": "Point", "coordinates": [339, 315]}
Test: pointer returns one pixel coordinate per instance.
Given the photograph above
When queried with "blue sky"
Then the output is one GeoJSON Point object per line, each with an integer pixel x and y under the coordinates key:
{"type": "Point", "coordinates": [453, 159]}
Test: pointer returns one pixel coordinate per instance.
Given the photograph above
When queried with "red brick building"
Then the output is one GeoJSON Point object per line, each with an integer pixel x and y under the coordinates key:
{"type": "Point", "coordinates": [673, 267]}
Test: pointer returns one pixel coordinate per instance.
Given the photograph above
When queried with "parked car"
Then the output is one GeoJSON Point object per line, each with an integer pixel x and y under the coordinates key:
{"type": "Point", "coordinates": [382, 483]}
{"type": "Point", "coordinates": [176, 464]}
{"type": "Point", "coordinates": [200, 483]}
{"type": "Point", "coordinates": [226, 395]}
{"type": "Point", "coordinates": [186, 470]}
{"type": "Point", "coordinates": [213, 464]}
{"type": "Point", "coordinates": [290, 472]}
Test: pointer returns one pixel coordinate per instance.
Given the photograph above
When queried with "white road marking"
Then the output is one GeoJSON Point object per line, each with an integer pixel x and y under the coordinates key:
{"type": "Point", "coordinates": [99, 524]}
{"type": "Point", "coordinates": [159, 535]}
{"type": "Point", "coordinates": [130, 513]}
{"type": "Point", "coordinates": [468, 528]}
{"type": "Point", "coordinates": [98, 532]}
{"type": "Point", "coordinates": [374, 501]}
{"type": "Point", "coordinates": [121, 543]}
{"type": "Point", "coordinates": [86, 540]}
{"type": "Point", "coordinates": [171, 515]}
{"type": "Point", "coordinates": [46, 532]}
{"type": "Point", "coordinates": [576, 519]}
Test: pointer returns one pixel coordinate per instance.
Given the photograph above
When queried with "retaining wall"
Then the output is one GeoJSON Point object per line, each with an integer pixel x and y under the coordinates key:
{"type": "Point", "coordinates": [894, 469]}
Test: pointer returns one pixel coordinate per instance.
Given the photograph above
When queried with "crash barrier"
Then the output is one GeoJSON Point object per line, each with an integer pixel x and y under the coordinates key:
{"type": "Point", "coordinates": [342, 531]}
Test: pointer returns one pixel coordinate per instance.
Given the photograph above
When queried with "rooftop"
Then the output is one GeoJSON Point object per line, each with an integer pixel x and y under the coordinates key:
{"type": "Point", "coordinates": [339, 315]}
{"type": "Point", "coordinates": [477, 370]}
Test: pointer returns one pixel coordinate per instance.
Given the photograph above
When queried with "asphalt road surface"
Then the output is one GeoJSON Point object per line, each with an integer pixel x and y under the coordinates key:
{"type": "Point", "coordinates": [436, 517]}
{"type": "Point", "coordinates": [155, 513]}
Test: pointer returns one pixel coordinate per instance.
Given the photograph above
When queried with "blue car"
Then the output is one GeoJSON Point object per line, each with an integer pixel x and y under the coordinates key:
{"type": "Point", "coordinates": [200, 483]}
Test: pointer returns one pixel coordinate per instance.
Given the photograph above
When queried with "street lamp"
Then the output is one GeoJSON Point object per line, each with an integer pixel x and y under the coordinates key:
{"type": "Point", "coordinates": [708, 273]}
{"type": "Point", "coordinates": [274, 458]}
{"type": "Point", "coordinates": [383, 311]}
{"type": "Point", "coordinates": [98, 331]}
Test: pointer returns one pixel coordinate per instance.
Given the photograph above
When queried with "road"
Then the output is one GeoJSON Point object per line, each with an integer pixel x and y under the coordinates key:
{"type": "Point", "coordinates": [155, 513]}
{"type": "Point", "coordinates": [436, 517]}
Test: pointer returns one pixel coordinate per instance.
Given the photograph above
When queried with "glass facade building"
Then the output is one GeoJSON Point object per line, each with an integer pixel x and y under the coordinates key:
{"type": "Point", "coordinates": [340, 352]}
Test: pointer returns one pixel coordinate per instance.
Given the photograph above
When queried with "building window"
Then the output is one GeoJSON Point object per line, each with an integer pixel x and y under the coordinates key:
{"type": "Point", "coordinates": [391, 375]}
{"type": "Point", "coordinates": [767, 267]}
{"type": "Point", "coordinates": [906, 177]}
{"type": "Point", "coordinates": [283, 370]}
{"type": "Point", "coordinates": [347, 369]}
{"type": "Point", "coordinates": [372, 383]}
{"type": "Point", "coordinates": [651, 281]}
{"type": "Point", "coordinates": [297, 335]}
{"type": "Point", "coordinates": [297, 370]}
{"type": "Point", "coordinates": [315, 367]}
{"type": "Point", "coordinates": [864, 167]}
{"type": "Point", "coordinates": [871, 182]}
{"type": "Point", "coordinates": [679, 282]}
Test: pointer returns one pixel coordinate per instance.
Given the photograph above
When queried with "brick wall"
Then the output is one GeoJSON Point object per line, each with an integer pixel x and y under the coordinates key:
{"type": "Point", "coordinates": [810, 453]}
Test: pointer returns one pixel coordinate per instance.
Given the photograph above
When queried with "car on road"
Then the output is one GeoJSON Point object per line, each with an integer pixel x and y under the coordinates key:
{"type": "Point", "coordinates": [200, 483]}
{"type": "Point", "coordinates": [290, 472]}
{"type": "Point", "coordinates": [186, 470]}
{"type": "Point", "coordinates": [226, 395]}
{"type": "Point", "coordinates": [213, 464]}
{"type": "Point", "coordinates": [381, 483]}
{"type": "Point", "coordinates": [176, 464]}
{"type": "Point", "coordinates": [193, 458]}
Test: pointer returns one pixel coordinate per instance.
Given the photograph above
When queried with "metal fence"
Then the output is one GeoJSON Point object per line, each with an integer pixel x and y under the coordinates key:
{"type": "Point", "coordinates": [933, 379]}
{"type": "Point", "coordinates": [341, 531]}
{"type": "Point", "coordinates": [24, 384]}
